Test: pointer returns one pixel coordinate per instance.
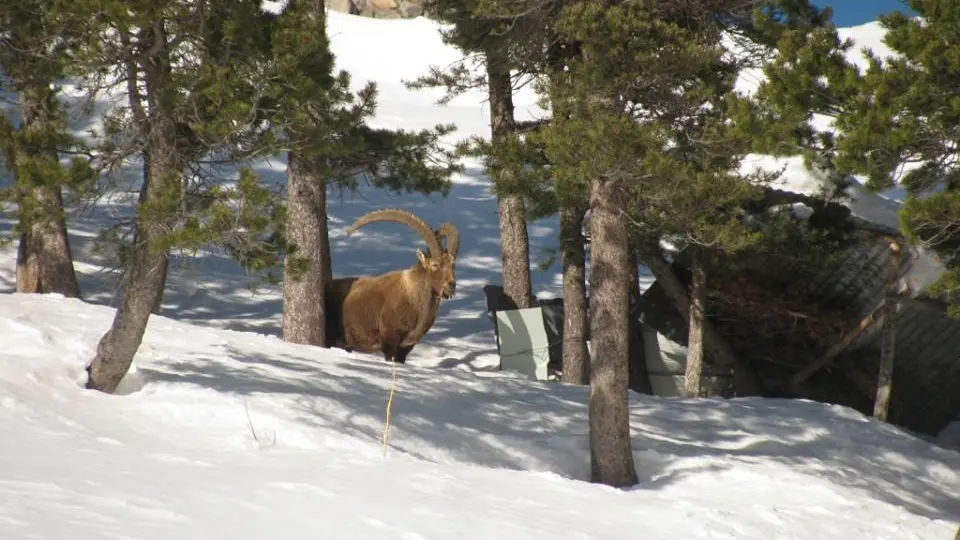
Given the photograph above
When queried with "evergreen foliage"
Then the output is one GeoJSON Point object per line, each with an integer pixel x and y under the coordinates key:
{"type": "Point", "coordinates": [492, 27]}
{"type": "Point", "coordinates": [644, 101]}
{"type": "Point", "coordinates": [895, 118]}
{"type": "Point", "coordinates": [314, 112]}
{"type": "Point", "coordinates": [33, 55]}
{"type": "Point", "coordinates": [660, 137]}
{"type": "Point", "coordinates": [308, 107]}
{"type": "Point", "coordinates": [202, 58]}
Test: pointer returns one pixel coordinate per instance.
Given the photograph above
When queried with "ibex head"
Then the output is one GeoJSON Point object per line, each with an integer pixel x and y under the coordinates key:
{"type": "Point", "coordinates": [438, 264]}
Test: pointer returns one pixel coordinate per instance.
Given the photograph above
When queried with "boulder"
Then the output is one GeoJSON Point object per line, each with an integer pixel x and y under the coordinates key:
{"type": "Point", "coordinates": [409, 10]}
{"type": "Point", "coordinates": [343, 6]}
{"type": "Point", "coordinates": [378, 9]}
{"type": "Point", "coordinates": [382, 5]}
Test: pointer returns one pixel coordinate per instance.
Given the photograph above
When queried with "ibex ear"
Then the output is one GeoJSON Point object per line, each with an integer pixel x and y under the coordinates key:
{"type": "Point", "coordinates": [422, 257]}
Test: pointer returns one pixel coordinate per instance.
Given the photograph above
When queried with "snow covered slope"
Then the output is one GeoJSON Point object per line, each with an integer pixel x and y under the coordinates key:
{"type": "Point", "coordinates": [229, 435]}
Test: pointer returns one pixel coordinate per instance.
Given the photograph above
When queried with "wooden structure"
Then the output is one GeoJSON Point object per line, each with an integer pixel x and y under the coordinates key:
{"type": "Point", "coordinates": [822, 334]}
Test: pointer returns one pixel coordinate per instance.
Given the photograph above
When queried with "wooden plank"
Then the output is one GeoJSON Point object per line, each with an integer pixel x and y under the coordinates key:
{"type": "Point", "coordinates": [807, 371]}
{"type": "Point", "coordinates": [881, 406]}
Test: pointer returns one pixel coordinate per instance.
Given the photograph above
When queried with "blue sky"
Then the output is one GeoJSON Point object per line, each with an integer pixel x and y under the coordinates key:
{"type": "Point", "coordinates": [854, 12]}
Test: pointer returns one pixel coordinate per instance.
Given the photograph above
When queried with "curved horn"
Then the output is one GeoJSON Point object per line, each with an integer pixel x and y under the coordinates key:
{"type": "Point", "coordinates": [452, 234]}
{"type": "Point", "coordinates": [403, 217]}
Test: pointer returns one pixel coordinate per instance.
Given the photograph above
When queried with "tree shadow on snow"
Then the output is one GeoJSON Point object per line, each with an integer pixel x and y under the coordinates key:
{"type": "Point", "coordinates": [460, 420]}
{"type": "Point", "coordinates": [904, 470]}
{"type": "Point", "coordinates": [513, 423]}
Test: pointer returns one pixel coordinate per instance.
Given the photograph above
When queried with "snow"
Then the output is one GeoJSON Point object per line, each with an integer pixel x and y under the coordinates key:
{"type": "Point", "coordinates": [223, 434]}
{"type": "Point", "coordinates": [222, 430]}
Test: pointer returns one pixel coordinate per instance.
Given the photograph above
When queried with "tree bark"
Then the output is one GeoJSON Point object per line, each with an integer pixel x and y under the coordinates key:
{"type": "Point", "coordinates": [694, 369]}
{"type": "Point", "coordinates": [744, 378]}
{"type": "Point", "coordinates": [611, 455]}
{"type": "Point", "coordinates": [514, 242]}
{"type": "Point", "coordinates": [326, 265]}
{"type": "Point", "coordinates": [576, 360]}
{"type": "Point", "coordinates": [44, 259]}
{"type": "Point", "coordinates": [157, 303]}
{"type": "Point", "coordinates": [639, 375]}
{"type": "Point", "coordinates": [135, 99]}
{"type": "Point", "coordinates": [515, 251]}
{"type": "Point", "coordinates": [881, 407]}
{"type": "Point", "coordinates": [303, 301]}
{"type": "Point", "coordinates": [145, 277]}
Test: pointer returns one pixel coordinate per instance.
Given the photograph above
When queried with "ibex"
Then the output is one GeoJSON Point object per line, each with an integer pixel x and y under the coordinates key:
{"type": "Point", "coordinates": [391, 312]}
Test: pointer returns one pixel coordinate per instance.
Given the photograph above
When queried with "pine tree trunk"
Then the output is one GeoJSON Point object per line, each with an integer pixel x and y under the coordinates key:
{"type": "Point", "coordinates": [144, 191]}
{"type": "Point", "coordinates": [303, 302]}
{"type": "Point", "coordinates": [515, 251]}
{"type": "Point", "coordinates": [320, 10]}
{"type": "Point", "coordinates": [881, 406]}
{"type": "Point", "coordinates": [514, 242]}
{"type": "Point", "coordinates": [694, 371]}
{"type": "Point", "coordinates": [639, 375]}
{"type": "Point", "coordinates": [28, 263]}
{"type": "Point", "coordinates": [44, 259]}
{"type": "Point", "coordinates": [145, 278]}
{"type": "Point", "coordinates": [611, 456]}
{"type": "Point", "coordinates": [327, 264]}
{"type": "Point", "coordinates": [136, 101]}
{"type": "Point", "coordinates": [576, 361]}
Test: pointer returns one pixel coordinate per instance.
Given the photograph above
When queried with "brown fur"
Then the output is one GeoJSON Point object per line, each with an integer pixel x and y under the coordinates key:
{"type": "Point", "coordinates": [391, 312]}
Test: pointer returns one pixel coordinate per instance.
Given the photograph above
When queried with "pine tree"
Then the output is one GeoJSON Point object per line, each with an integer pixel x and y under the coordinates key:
{"type": "Point", "coordinates": [642, 121]}
{"type": "Point", "coordinates": [487, 30]}
{"type": "Point", "coordinates": [302, 55]}
{"type": "Point", "coordinates": [514, 242]}
{"type": "Point", "coordinates": [893, 120]}
{"type": "Point", "coordinates": [33, 54]}
{"type": "Point", "coordinates": [898, 126]}
{"type": "Point", "coordinates": [576, 358]}
{"type": "Point", "coordinates": [185, 67]}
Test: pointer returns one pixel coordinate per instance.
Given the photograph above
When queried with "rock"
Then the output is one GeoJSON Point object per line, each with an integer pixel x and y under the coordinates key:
{"type": "Point", "coordinates": [378, 9]}
{"type": "Point", "coordinates": [387, 14]}
{"type": "Point", "coordinates": [343, 6]}
{"type": "Point", "coordinates": [382, 5]}
{"type": "Point", "coordinates": [409, 10]}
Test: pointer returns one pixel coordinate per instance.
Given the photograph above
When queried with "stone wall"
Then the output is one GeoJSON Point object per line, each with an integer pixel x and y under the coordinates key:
{"type": "Point", "coordinates": [378, 9]}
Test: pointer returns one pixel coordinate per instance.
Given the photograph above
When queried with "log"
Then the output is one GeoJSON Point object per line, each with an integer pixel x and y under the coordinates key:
{"type": "Point", "coordinates": [881, 407]}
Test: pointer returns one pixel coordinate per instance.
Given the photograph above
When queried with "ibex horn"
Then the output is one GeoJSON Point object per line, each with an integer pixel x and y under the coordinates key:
{"type": "Point", "coordinates": [452, 234]}
{"type": "Point", "coordinates": [406, 218]}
